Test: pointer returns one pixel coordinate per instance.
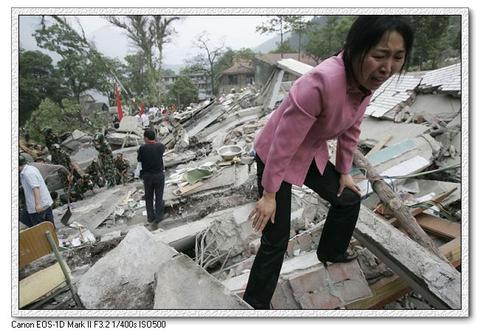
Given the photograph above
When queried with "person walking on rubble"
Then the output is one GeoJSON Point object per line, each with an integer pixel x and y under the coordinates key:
{"type": "Point", "coordinates": [150, 155]}
{"type": "Point", "coordinates": [37, 197]}
{"type": "Point", "coordinates": [327, 102]}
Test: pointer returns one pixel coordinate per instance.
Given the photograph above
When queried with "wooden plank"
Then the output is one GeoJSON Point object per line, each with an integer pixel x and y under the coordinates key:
{"type": "Point", "coordinates": [379, 145]}
{"type": "Point", "coordinates": [416, 211]}
{"type": "Point", "coordinates": [39, 284]}
{"type": "Point", "coordinates": [389, 289]}
{"type": "Point", "coordinates": [438, 226]}
{"type": "Point", "coordinates": [33, 243]}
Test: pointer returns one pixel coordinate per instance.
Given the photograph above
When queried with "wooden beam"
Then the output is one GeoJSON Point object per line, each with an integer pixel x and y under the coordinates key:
{"type": "Point", "coordinates": [436, 280]}
{"type": "Point", "coordinates": [394, 202]}
{"type": "Point", "coordinates": [438, 226]}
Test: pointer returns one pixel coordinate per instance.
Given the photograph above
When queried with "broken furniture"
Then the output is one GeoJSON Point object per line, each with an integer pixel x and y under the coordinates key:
{"type": "Point", "coordinates": [42, 286]}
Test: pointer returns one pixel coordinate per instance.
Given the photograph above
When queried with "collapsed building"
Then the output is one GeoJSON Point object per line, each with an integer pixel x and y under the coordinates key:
{"type": "Point", "coordinates": [201, 255]}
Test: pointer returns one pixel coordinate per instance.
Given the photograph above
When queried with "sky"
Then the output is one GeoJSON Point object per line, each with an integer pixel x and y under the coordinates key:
{"type": "Point", "coordinates": [234, 32]}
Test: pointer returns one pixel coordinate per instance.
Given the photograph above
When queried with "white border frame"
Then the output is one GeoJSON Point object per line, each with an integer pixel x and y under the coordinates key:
{"type": "Point", "coordinates": [308, 11]}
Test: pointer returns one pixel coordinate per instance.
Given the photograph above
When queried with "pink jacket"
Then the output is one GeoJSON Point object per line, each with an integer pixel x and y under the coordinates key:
{"type": "Point", "coordinates": [320, 106]}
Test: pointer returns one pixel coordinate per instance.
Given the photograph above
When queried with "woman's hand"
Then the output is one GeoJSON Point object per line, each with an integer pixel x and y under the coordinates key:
{"type": "Point", "coordinates": [346, 181]}
{"type": "Point", "coordinates": [263, 212]}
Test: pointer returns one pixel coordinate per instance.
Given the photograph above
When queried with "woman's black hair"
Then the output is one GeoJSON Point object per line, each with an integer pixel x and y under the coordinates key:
{"type": "Point", "coordinates": [367, 31]}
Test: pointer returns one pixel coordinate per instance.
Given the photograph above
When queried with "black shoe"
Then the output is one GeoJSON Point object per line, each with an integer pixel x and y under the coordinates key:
{"type": "Point", "coordinates": [345, 258]}
{"type": "Point", "coordinates": [153, 226]}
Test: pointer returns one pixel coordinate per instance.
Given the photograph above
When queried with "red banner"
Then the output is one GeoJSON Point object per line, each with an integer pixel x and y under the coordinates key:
{"type": "Point", "coordinates": [119, 104]}
{"type": "Point", "coordinates": [141, 108]}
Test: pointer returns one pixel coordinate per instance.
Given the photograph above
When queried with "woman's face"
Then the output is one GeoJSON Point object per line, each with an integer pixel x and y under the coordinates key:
{"type": "Point", "coordinates": [381, 62]}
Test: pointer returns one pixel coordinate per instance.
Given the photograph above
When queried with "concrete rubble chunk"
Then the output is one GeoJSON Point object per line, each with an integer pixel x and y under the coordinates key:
{"type": "Point", "coordinates": [229, 235]}
{"type": "Point", "coordinates": [92, 212]}
{"type": "Point", "coordinates": [305, 284]}
{"type": "Point", "coordinates": [130, 124]}
{"type": "Point", "coordinates": [374, 129]}
{"type": "Point", "coordinates": [123, 278]}
{"type": "Point", "coordinates": [182, 284]}
{"type": "Point", "coordinates": [404, 158]}
{"type": "Point", "coordinates": [84, 156]}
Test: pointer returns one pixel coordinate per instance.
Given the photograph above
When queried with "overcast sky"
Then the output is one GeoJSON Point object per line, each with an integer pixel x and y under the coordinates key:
{"type": "Point", "coordinates": [235, 31]}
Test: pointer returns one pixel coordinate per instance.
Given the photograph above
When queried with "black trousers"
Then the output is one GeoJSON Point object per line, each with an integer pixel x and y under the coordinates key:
{"type": "Point", "coordinates": [336, 234]}
{"type": "Point", "coordinates": [154, 183]}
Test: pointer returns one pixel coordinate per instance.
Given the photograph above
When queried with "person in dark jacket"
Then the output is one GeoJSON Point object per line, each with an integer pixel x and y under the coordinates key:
{"type": "Point", "coordinates": [150, 155]}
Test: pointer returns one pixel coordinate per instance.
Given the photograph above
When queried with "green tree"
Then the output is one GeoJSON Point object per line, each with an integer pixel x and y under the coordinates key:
{"type": "Point", "coordinates": [148, 34]}
{"type": "Point", "coordinates": [275, 24]}
{"type": "Point", "coordinates": [51, 114]}
{"type": "Point", "coordinates": [81, 66]}
{"type": "Point", "coordinates": [193, 68]}
{"type": "Point", "coordinates": [38, 80]}
{"type": "Point", "coordinates": [284, 48]}
{"type": "Point", "coordinates": [298, 26]}
{"type": "Point", "coordinates": [135, 72]}
{"type": "Point", "coordinates": [430, 40]}
{"type": "Point", "coordinates": [183, 92]}
{"type": "Point", "coordinates": [327, 39]}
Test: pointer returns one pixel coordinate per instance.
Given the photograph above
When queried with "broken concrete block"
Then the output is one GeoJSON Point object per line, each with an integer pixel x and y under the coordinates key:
{"type": "Point", "coordinates": [84, 156]}
{"type": "Point", "coordinates": [231, 233]}
{"type": "Point", "coordinates": [313, 287]}
{"type": "Point", "coordinates": [123, 278]}
{"type": "Point", "coordinates": [305, 284]}
{"type": "Point", "coordinates": [182, 284]}
{"type": "Point", "coordinates": [130, 124]}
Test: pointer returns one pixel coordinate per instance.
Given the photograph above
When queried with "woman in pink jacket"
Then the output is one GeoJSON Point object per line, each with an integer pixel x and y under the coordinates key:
{"type": "Point", "coordinates": [327, 102]}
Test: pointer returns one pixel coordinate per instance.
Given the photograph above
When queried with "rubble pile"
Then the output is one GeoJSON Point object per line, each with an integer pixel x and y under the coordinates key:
{"type": "Point", "coordinates": [411, 132]}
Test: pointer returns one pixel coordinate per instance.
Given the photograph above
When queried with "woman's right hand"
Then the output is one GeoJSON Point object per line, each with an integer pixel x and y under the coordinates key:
{"type": "Point", "coordinates": [263, 212]}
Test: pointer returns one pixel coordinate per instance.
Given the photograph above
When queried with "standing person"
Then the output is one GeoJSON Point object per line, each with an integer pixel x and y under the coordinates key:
{"type": "Point", "coordinates": [150, 155]}
{"type": "Point", "coordinates": [37, 197]}
{"type": "Point", "coordinates": [327, 102]}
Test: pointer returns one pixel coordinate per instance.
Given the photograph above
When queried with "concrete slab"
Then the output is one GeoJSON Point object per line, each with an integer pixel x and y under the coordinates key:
{"type": "Point", "coordinates": [182, 284]}
{"type": "Point", "coordinates": [84, 156]}
{"type": "Point", "coordinates": [130, 124]}
{"type": "Point", "coordinates": [374, 129]}
{"type": "Point", "coordinates": [92, 211]}
{"type": "Point", "coordinates": [435, 108]}
{"type": "Point", "coordinates": [294, 67]}
{"type": "Point", "coordinates": [123, 278]}
{"type": "Point", "coordinates": [426, 273]}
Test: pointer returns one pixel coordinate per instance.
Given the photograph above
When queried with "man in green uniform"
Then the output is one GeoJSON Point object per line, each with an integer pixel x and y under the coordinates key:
{"type": "Point", "coordinates": [105, 158]}
{"type": "Point", "coordinates": [121, 166]}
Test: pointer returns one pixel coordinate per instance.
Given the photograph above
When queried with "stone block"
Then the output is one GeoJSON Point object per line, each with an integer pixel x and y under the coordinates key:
{"type": "Point", "coordinates": [182, 284]}
{"type": "Point", "coordinates": [123, 278]}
